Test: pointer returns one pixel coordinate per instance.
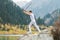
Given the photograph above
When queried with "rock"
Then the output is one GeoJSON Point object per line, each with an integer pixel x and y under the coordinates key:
{"type": "Point", "coordinates": [42, 36]}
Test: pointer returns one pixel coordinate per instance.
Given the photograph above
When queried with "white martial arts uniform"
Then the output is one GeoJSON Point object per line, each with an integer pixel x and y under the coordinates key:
{"type": "Point", "coordinates": [33, 22]}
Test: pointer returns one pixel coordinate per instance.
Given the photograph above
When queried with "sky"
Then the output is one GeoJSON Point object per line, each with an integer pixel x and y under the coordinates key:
{"type": "Point", "coordinates": [40, 7]}
{"type": "Point", "coordinates": [43, 7]}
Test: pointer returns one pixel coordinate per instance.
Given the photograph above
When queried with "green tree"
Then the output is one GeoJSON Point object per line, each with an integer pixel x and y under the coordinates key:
{"type": "Point", "coordinates": [11, 13]}
{"type": "Point", "coordinates": [40, 21]}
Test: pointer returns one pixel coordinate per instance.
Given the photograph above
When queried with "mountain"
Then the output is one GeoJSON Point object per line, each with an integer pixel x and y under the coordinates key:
{"type": "Point", "coordinates": [12, 13]}
{"type": "Point", "coordinates": [49, 19]}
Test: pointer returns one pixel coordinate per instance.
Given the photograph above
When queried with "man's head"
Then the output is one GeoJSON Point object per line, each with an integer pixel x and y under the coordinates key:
{"type": "Point", "coordinates": [30, 11]}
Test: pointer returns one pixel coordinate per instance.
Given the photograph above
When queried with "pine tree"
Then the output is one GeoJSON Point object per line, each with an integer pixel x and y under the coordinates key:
{"type": "Point", "coordinates": [11, 13]}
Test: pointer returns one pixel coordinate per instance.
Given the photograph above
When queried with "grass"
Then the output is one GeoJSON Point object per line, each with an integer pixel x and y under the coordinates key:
{"type": "Point", "coordinates": [9, 38]}
{"type": "Point", "coordinates": [14, 29]}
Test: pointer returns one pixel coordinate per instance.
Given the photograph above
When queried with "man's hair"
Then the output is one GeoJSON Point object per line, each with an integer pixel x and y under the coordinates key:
{"type": "Point", "coordinates": [30, 11]}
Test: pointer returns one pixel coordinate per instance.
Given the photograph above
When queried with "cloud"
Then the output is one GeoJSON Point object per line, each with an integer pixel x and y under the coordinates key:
{"type": "Point", "coordinates": [26, 0]}
{"type": "Point", "coordinates": [16, 0]}
{"type": "Point", "coordinates": [21, 3]}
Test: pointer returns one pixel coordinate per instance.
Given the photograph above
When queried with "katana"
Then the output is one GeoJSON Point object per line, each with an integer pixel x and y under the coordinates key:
{"type": "Point", "coordinates": [28, 6]}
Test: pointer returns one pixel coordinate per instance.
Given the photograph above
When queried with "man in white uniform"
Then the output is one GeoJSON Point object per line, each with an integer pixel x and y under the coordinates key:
{"type": "Point", "coordinates": [32, 21]}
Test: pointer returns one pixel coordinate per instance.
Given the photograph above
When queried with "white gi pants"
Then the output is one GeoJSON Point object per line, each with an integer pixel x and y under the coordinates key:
{"type": "Point", "coordinates": [34, 23]}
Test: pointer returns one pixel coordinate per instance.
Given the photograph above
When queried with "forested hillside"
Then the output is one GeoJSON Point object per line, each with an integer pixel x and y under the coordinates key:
{"type": "Point", "coordinates": [11, 13]}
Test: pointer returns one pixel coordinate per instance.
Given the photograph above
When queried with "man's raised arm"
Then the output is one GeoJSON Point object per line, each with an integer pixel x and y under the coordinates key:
{"type": "Point", "coordinates": [26, 12]}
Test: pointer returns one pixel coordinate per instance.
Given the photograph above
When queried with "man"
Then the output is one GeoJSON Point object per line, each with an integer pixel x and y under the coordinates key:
{"type": "Point", "coordinates": [32, 21]}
